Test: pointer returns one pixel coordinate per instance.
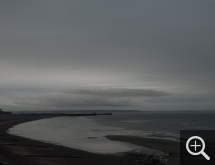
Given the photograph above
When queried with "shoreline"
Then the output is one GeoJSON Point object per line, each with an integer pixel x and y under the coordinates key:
{"type": "Point", "coordinates": [31, 152]}
{"type": "Point", "coordinates": [169, 147]}
{"type": "Point", "coordinates": [19, 150]}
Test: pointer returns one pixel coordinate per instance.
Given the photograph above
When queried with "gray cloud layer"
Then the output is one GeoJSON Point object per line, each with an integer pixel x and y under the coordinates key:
{"type": "Point", "coordinates": [49, 46]}
{"type": "Point", "coordinates": [74, 101]}
{"type": "Point", "coordinates": [89, 98]}
{"type": "Point", "coordinates": [119, 92]}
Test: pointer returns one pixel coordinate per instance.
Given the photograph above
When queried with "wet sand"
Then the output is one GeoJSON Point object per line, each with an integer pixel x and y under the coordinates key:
{"type": "Point", "coordinates": [16, 150]}
{"type": "Point", "coordinates": [169, 147]}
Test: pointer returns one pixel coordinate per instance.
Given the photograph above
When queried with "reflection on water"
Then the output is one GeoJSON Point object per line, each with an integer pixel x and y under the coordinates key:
{"type": "Point", "coordinates": [88, 133]}
{"type": "Point", "coordinates": [77, 132]}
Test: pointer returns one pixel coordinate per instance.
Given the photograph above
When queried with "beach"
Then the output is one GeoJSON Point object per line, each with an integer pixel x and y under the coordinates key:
{"type": "Point", "coordinates": [171, 148]}
{"type": "Point", "coordinates": [17, 150]}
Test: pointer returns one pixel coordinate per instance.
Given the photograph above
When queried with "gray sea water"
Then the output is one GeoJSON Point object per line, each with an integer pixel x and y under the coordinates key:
{"type": "Point", "coordinates": [88, 133]}
{"type": "Point", "coordinates": [163, 122]}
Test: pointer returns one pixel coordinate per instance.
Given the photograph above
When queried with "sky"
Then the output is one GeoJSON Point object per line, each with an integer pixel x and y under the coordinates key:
{"type": "Point", "coordinates": [99, 54]}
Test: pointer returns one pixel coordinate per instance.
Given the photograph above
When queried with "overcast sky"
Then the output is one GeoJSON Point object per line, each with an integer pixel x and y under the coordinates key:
{"type": "Point", "coordinates": [107, 54]}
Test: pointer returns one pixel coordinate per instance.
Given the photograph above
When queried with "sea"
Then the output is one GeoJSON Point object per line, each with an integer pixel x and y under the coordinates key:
{"type": "Point", "coordinates": [89, 133]}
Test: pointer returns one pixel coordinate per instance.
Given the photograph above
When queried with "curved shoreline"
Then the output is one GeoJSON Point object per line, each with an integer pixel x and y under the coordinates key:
{"type": "Point", "coordinates": [19, 150]}
{"type": "Point", "coordinates": [35, 152]}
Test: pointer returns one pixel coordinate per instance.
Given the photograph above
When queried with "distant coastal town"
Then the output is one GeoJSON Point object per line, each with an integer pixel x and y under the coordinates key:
{"type": "Point", "coordinates": [3, 113]}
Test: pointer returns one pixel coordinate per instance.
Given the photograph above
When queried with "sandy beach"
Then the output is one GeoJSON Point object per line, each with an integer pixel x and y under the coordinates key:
{"type": "Point", "coordinates": [16, 150]}
{"type": "Point", "coordinates": [171, 148]}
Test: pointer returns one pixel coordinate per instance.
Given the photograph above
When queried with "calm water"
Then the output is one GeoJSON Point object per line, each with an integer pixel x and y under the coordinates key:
{"type": "Point", "coordinates": [88, 133]}
{"type": "Point", "coordinates": [166, 122]}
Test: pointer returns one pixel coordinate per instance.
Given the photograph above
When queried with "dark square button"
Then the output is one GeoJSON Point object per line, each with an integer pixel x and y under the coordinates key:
{"type": "Point", "coordinates": [197, 147]}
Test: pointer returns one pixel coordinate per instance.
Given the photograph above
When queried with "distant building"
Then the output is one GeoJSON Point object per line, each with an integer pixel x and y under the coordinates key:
{"type": "Point", "coordinates": [5, 113]}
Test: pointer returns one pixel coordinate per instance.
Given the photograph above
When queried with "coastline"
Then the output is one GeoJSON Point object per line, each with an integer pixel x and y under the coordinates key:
{"type": "Point", "coordinates": [19, 150]}
{"type": "Point", "coordinates": [169, 147]}
{"type": "Point", "coordinates": [16, 154]}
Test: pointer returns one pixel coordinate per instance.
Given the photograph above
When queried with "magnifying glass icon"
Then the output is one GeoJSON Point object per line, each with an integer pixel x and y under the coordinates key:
{"type": "Point", "coordinates": [188, 145]}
